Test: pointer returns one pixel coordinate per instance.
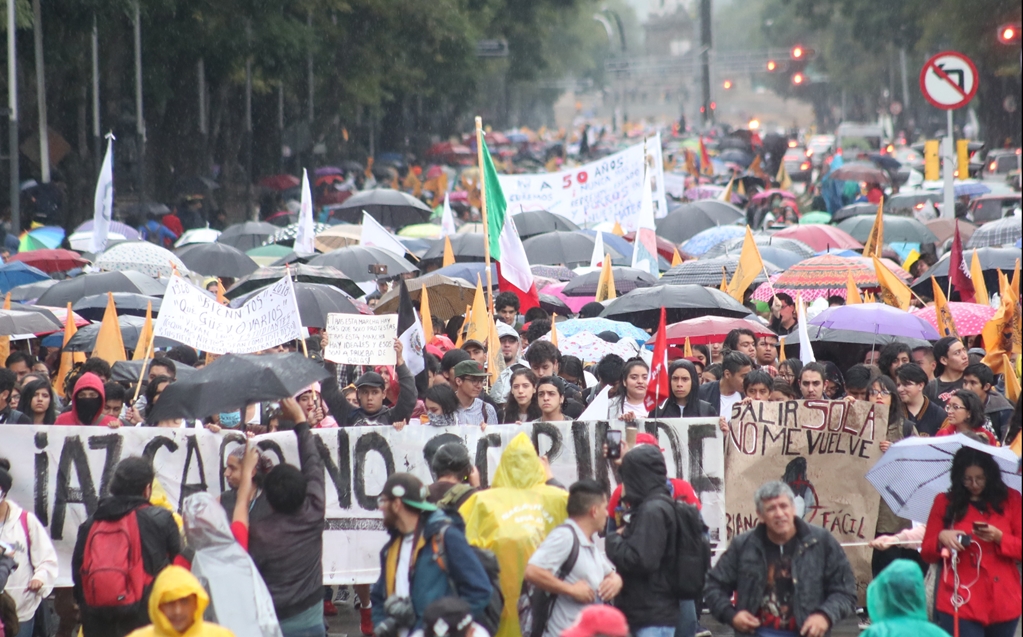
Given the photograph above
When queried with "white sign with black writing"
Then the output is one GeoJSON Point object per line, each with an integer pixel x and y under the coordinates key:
{"type": "Point", "coordinates": [355, 339]}
{"type": "Point", "coordinates": [190, 316]}
{"type": "Point", "coordinates": [61, 472]}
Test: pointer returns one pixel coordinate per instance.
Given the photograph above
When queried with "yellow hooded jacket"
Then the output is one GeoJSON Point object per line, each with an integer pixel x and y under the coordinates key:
{"type": "Point", "coordinates": [171, 584]}
{"type": "Point", "coordinates": [512, 518]}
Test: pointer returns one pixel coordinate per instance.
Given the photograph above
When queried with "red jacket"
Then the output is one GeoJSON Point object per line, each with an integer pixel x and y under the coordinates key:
{"type": "Point", "coordinates": [996, 596]}
{"type": "Point", "coordinates": [87, 381]}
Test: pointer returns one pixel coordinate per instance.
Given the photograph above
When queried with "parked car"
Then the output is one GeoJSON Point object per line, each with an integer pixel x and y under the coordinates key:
{"type": "Point", "coordinates": [797, 164]}
{"type": "Point", "coordinates": [992, 207]}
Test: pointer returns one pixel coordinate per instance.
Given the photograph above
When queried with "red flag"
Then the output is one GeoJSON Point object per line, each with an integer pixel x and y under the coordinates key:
{"type": "Point", "coordinates": [705, 166]}
{"type": "Point", "coordinates": [657, 386]}
{"type": "Point", "coordinates": [959, 269]}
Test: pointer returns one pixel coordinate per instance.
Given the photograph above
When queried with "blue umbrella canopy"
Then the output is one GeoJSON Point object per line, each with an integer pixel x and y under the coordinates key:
{"type": "Point", "coordinates": [707, 239]}
{"type": "Point", "coordinates": [17, 273]}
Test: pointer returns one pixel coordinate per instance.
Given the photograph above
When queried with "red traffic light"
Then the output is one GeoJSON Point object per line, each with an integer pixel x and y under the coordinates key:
{"type": "Point", "coordinates": [798, 78]}
{"type": "Point", "coordinates": [1009, 33]}
{"type": "Point", "coordinates": [797, 52]}
{"type": "Point", "coordinates": [772, 65]}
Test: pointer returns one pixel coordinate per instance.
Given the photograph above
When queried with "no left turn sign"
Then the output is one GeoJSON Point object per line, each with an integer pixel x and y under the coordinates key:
{"type": "Point", "coordinates": [949, 80]}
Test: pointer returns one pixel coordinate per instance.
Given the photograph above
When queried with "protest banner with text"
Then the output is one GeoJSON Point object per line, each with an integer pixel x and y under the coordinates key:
{"type": "Point", "coordinates": [822, 449]}
{"type": "Point", "coordinates": [191, 316]}
{"type": "Point", "coordinates": [61, 472]}
{"type": "Point", "coordinates": [354, 339]}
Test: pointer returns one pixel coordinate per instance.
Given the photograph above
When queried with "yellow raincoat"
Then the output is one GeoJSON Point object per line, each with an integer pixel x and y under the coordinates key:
{"type": "Point", "coordinates": [512, 518]}
{"type": "Point", "coordinates": [172, 584]}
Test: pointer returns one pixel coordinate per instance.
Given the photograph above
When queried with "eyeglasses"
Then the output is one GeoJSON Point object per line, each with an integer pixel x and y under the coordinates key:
{"type": "Point", "coordinates": [475, 380]}
{"type": "Point", "coordinates": [874, 393]}
{"type": "Point", "coordinates": [950, 408]}
{"type": "Point", "coordinates": [976, 481]}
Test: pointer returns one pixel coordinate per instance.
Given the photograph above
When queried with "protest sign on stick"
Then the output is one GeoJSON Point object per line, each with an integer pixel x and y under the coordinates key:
{"type": "Point", "coordinates": [355, 339]}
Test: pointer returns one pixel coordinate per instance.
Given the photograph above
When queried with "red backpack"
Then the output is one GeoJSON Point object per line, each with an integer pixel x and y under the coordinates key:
{"type": "Point", "coordinates": [112, 570]}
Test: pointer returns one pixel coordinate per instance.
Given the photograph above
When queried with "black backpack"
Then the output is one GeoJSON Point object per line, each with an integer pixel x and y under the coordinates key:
{"type": "Point", "coordinates": [491, 618]}
{"type": "Point", "coordinates": [536, 604]}
{"type": "Point", "coordinates": [690, 554]}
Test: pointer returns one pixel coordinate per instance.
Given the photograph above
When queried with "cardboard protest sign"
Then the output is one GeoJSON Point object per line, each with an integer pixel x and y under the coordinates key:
{"type": "Point", "coordinates": [193, 317]}
{"type": "Point", "coordinates": [608, 189]}
{"type": "Point", "coordinates": [822, 449]}
{"type": "Point", "coordinates": [61, 472]}
{"type": "Point", "coordinates": [355, 339]}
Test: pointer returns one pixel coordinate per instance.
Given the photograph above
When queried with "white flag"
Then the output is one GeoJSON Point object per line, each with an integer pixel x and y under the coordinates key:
{"type": "Point", "coordinates": [376, 236]}
{"type": "Point", "coordinates": [104, 202]}
{"type": "Point", "coordinates": [306, 231]}
{"type": "Point", "coordinates": [644, 246]}
{"type": "Point", "coordinates": [447, 220]}
{"type": "Point", "coordinates": [597, 258]}
{"type": "Point", "coordinates": [805, 349]}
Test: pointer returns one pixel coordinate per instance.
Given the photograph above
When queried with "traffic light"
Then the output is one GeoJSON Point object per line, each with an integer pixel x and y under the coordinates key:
{"type": "Point", "coordinates": [798, 78]}
{"type": "Point", "coordinates": [1009, 34]}
{"type": "Point", "coordinates": [772, 66]}
{"type": "Point", "coordinates": [797, 52]}
{"type": "Point", "coordinates": [727, 84]}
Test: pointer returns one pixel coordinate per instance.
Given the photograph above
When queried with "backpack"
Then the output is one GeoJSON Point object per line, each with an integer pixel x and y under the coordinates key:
{"type": "Point", "coordinates": [491, 618]}
{"type": "Point", "coordinates": [455, 497]}
{"type": "Point", "coordinates": [9, 624]}
{"type": "Point", "coordinates": [536, 604]}
{"type": "Point", "coordinates": [113, 575]}
{"type": "Point", "coordinates": [690, 553]}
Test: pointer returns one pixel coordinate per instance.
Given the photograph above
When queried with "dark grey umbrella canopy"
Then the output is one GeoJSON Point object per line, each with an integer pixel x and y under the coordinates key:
{"type": "Point", "coordinates": [31, 291]}
{"type": "Point", "coordinates": [685, 221]}
{"type": "Point", "coordinates": [235, 380]}
{"type": "Point", "coordinates": [17, 322]}
{"type": "Point", "coordinates": [562, 248]}
{"type": "Point", "coordinates": [217, 259]}
{"type": "Point", "coordinates": [467, 248]}
{"type": "Point", "coordinates": [299, 273]}
{"type": "Point", "coordinates": [708, 272]}
{"type": "Point", "coordinates": [248, 235]}
{"type": "Point", "coordinates": [897, 229]}
{"type": "Point", "coordinates": [853, 210]}
{"type": "Point", "coordinates": [130, 371]}
{"type": "Point", "coordinates": [626, 280]}
{"type": "Point", "coordinates": [84, 339]}
{"type": "Point", "coordinates": [535, 222]}
{"type": "Point", "coordinates": [355, 262]}
{"type": "Point", "coordinates": [991, 260]}
{"type": "Point", "coordinates": [93, 307]}
{"type": "Point", "coordinates": [392, 208]}
{"type": "Point", "coordinates": [70, 290]}
{"type": "Point", "coordinates": [315, 302]}
{"type": "Point", "coordinates": [642, 306]}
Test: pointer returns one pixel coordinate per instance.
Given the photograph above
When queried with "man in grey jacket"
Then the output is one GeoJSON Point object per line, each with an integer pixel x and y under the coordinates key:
{"type": "Point", "coordinates": [789, 578]}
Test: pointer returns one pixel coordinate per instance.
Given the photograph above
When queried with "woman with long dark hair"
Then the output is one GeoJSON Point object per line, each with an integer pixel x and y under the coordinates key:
{"type": "Point", "coordinates": [521, 405]}
{"type": "Point", "coordinates": [893, 356]}
{"type": "Point", "coordinates": [966, 415]}
{"type": "Point", "coordinates": [974, 529]}
{"type": "Point", "coordinates": [441, 405]}
{"type": "Point", "coordinates": [684, 402]}
{"type": "Point", "coordinates": [789, 370]}
{"type": "Point", "coordinates": [38, 403]}
{"type": "Point", "coordinates": [629, 403]}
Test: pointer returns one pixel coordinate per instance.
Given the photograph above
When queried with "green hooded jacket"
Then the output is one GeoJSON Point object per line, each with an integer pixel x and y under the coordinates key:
{"type": "Point", "coordinates": [898, 605]}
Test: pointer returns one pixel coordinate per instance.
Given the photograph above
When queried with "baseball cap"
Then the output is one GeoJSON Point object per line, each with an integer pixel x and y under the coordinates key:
{"type": "Point", "coordinates": [407, 488]}
{"type": "Point", "coordinates": [469, 368]}
{"type": "Point", "coordinates": [452, 358]}
{"type": "Point", "coordinates": [648, 439]}
{"type": "Point", "coordinates": [503, 330]}
{"type": "Point", "coordinates": [472, 343]}
{"type": "Point", "coordinates": [452, 457]}
{"type": "Point", "coordinates": [598, 619]}
{"type": "Point", "coordinates": [447, 617]}
{"type": "Point", "coordinates": [370, 379]}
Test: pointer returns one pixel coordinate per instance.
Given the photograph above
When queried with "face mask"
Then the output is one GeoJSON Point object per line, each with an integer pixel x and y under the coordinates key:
{"type": "Point", "coordinates": [231, 420]}
{"type": "Point", "coordinates": [88, 408]}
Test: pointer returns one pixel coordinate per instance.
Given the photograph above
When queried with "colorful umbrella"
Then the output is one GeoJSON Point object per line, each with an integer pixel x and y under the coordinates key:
{"type": "Point", "coordinates": [875, 318]}
{"type": "Point", "coordinates": [17, 273]}
{"type": "Point", "coordinates": [597, 325]}
{"type": "Point", "coordinates": [140, 256]}
{"type": "Point", "coordinates": [827, 272]}
{"type": "Point", "coordinates": [590, 348]}
{"type": "Point", "coordinates": [704, 240]}
{"type": "Point", "coordinates": [821, 237]}
{"type": "Point", "coordinates": [969, 317]}
{"type": "Point", "coordinates": [50, 261]}
{"type": "Point", "coordinates": [765, 291]}
{"type": "Point", "coordinates": [47, 237]}
{"type": "Point", "coordinates": [711, 329]}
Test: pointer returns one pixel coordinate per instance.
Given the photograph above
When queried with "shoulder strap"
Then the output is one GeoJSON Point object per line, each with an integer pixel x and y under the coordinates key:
{"type": "Point", "coordinates": [573, 555]}
{"type": "Point", "coordinates": [23, 518]}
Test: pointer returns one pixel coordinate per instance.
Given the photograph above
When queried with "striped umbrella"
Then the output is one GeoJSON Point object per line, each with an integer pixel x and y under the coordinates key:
{"type": "Point", "coordinates": [766, 291]}
{"type": "Point", "coordinates": [1005, 231]}
{"type": "Point", "coordinates": [708, 272]}
{"type": "Point", "coordinates": [827, 272]}
{"type": "Point", "coordinates": [140, 256]}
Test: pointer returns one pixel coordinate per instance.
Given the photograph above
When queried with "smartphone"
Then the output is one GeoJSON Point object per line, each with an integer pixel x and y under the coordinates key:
{"type": "Point", "coordinates": [614, 444]}
{"type": "Point", "coordinates": [979, 526]}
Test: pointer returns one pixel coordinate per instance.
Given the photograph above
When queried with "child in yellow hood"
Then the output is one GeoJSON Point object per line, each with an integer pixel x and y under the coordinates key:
{"type": "Point", "coordinates": [176, 606]}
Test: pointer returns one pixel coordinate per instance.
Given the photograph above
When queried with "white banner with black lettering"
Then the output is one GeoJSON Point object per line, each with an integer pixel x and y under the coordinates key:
{"type": "Point", "coordinates": [60, 472]}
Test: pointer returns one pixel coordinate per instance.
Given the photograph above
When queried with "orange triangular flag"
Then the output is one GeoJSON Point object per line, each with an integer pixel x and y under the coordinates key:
{"type": "Point", "coordinates": [617, 229]}
{"type": "Point", "coordinates": [465, 324]}
{"type": "Point", "coordinates": [724, 280]}
{"type": "Point", "coordinates": [876, 238]}
{"type": "Point", "coordinates": [687, 349]}
{"type": "Point", "coordinates": [67, 359]}
{"type": "Point", "coordinates": [145, 336]}
{"type": "Point", "coordinates": [676, 259]}
{"type": "Point", "coordinates": [5, 341]}
{"type": "Point", "coordinates": [781, 348]}
{"type": "Point", "coordinates": [942, 315]}
{"type": "Point", "coordinates": [109, 344]}
{"type": "Point", "coordinates": [495, 359]}
{"type": "Point", "coordinates": [852, 293]}
{"type": "Point", "coordinates": [1012, 386]}
{"type": "Point", "coordinates": [606, 283]}
{"type": "Point", "coordinates": [449, 254]}
{"type": "Point", "coordinates": [221, 293]}
{"type": "Point", "coordinates": [1015, 277]}
{"type": "Point", "coordinates": [425, 316]}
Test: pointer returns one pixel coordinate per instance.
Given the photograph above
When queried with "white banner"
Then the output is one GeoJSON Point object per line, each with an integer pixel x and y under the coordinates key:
{"type": "Point", "coordinates": [193, 317]}
{"type": "Point", "coordinates": [60, 472]}
{"type": "Point", "coordinates": [608, 189]}
{"type": "Point", "coordinates": [354, 339]}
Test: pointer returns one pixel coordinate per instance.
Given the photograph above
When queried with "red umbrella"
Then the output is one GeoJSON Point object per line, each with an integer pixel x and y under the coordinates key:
{"type": "Point", "coordinates": [50, 261]}
{"type": "Point", "coordinates": [969, 317]}
{"type": "Point", "coordinates": [767, 194]}
{"type": "Point", "coordinates": [711, 329]}
{"type": "Point", "coordinates": [280, 182]}
{"type": "Point", "coordinates": [821, 237]}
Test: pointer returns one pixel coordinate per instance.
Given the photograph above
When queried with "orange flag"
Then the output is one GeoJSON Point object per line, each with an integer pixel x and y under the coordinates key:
{"type": "Point", "coordinates": [5, 341]}
{"type": "Point", "coordinates": [876, 238]}
{"type": "Point", "coordinates": [676, 259]}
{"type": "Point", "coordinates": [1012, 386]}
{"type": "Point", "coordinates": [109, 344]}
{"type": "Point", "coordinates": [606, 283]}
{"type": "Point", "coordinates": [893, 291]}
{"type": "Point", "coordinates": [67, 359]}
{"type": "Point", "coordinates": [852, 293]}
{"type": "Point", "coordinates": [750, 265]}
{"type": "Point", "coordinates": [942, 315]}
{"type": "Point", "coordinates": [146, 335]}
{"type": "Point", "coordinates": [781, 348]}
{"type": "Point", "coordinates": [449, 254]}
{"type": "Point", "coordinates": [425, 316]}
{"type": "Point", "coordinates": [687, 349]}
{"type": "Point", "coordinates": [617, 230]}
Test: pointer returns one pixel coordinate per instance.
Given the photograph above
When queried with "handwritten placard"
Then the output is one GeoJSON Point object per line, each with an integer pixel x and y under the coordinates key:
{"type": "Point", "coordinates": [355, 339]}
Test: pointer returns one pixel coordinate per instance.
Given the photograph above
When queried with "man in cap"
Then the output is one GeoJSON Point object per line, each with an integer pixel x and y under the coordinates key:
{"type": "Point", "coordinates": [369, 390]}
{"type": "Point", "coordinates": [475, 350]}
{"type": "Point", "coordinates": [427, 556]}
{"type": "Point", "coordinates": [456, 476]}
{"type": "Point", "coordinates": [469, 378]}
{"type": "Point", "coordinates": [511, 347]}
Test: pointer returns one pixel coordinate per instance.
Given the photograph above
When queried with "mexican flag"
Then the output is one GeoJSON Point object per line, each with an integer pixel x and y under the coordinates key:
{"type": "Point", "coordinates": [513, 273]}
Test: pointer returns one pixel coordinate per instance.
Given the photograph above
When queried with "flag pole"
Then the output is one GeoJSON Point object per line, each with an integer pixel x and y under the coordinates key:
{"type": "Point", "coordinates": [483, 212]}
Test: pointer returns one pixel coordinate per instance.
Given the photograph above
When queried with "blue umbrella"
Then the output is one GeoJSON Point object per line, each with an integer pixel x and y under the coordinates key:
{"type": "Point", "coordinates": [17, 273]}
{"type": "Point", "coordinates": [971, 189]}
{"type": "Point", "coordinates": [707, 239]}
{"type": "Point", "coordinates": [840, 253]}
{"type": "Point", "coordinates": [598, 325]}
{"type": "Point", "coordinates": [468, 272]}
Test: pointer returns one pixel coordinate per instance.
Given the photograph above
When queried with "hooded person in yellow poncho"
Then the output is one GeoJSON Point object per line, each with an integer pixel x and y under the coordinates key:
{"type": "Point", "coordinates": [512, 518]}
{"type": "Point", "coordinates": [176, 606]}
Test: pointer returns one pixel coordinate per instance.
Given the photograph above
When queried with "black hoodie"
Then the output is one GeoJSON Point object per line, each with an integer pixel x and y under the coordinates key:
{"type": "Point", "coordinates": [640, 553]}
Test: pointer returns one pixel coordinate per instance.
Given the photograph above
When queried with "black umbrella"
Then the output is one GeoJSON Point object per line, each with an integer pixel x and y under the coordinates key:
{"type": "Point", "coordinates": [991, 260]}
{"type": "Point", "coordinates": [562, 248]}
{"type": "Point", "coordinates": [904, 229]}
{"type": "Point", "coordinates": [31, 291]}
{"type": "Point", "coordinates": [553, 305]}
{"type": "Point", "coordinates": [217, 259]}
{"type": "Point", "coordinates": [360, 262]}
{"type": "Point", "coordinates": [235, 380]}
{"type": "Point", "coordinates": [248, 235]}
{"type": "Point", "coordinates": [299, 273]}
{"type": "Point", "coordinates": [708, 271]}
{"type": "Point", "coordinates": [846, 348]}
{"type": "Point", "coordinates": [684, 222]}
{"type": "Point", "coordinates": [70, 290]}
{"type": "Point", "coordinates": [315, 302]}
{"type": "Point", "coordinates": [93, 307]}
{"type": "Point", "coordinates": [642, 306]}
{"type": "Point", "coordinates": [390, 207]}
{"type": "Point", "coordinates": [852, 210]}
{"type": "Point", "coordinates": [534, 222]}
{"type": "Point", "coordinates": [143, 210]}
{"type": "Point", "coordinates": [626, 280]}
{"type": "Point", "coordinates": [129, 371]}
{"type": "Point", "coordinates": [84, 339]}
{"type": "Point", "coordinates": [50, 316]}
{"type": "Point", "coordinates": [467, 248]}
{"type": "Point", "coordinates": [16, 322]}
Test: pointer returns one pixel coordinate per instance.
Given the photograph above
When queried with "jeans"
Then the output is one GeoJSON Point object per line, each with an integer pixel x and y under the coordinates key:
{"type": "Point", "coordinates": [308, 623]}
{"type": "Point", "coordinates": [688, 622]}
{"type": "Point", "coordinates": [26, 628]}
{"type": "Point", "coordinates": [975, 629]}
{"type": "Point", "coordinates": [655, 631]}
